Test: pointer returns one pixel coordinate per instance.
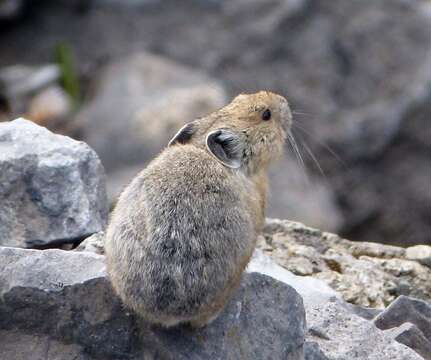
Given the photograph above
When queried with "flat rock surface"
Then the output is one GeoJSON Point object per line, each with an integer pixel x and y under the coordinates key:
{"type": "Point", "coordinates": [52, 188]}
{"type": "Point", "coordinates": [60, 302]}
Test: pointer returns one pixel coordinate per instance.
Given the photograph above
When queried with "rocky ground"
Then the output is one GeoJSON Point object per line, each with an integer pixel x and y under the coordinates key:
{"type": "Point", "coordinates": [306, 294]}
{"type": "Point", "coordinates": [357, 74]}
{"type": "Point", "coordinates": [366, 274]}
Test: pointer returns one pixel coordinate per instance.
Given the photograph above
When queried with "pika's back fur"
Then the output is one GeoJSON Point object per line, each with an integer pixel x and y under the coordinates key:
{"type": "Point", "coordinates": [185, 228]}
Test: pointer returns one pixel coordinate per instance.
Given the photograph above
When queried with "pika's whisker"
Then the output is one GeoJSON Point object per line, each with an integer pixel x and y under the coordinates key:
{"type": "Point", "coordinates": [322, 144]}
{"type": "Point", "coordinates": [310, 153]}
{"type": "Point", "coordinates": [301, 113]}
{"type": "Point", "coordinates": [294, 146]}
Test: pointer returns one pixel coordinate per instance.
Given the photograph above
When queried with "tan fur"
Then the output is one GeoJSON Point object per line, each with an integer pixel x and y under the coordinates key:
{"type": "Point", "coordinates": [185, 228]}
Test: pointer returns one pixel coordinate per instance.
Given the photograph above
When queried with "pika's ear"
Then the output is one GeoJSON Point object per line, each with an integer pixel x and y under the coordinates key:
{"type": "Point", "coordinates": [183, 135]}
{"type": "Point", "coordinates": [226, 147]}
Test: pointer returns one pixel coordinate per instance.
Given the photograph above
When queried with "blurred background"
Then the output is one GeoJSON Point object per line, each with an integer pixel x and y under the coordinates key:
{"type": "Point", "coordinates": [124, 75]}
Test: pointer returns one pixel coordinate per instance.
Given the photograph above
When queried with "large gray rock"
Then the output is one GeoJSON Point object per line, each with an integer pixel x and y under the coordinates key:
{"type": "Point", "coordinates": [264, 320]}
{"type": "Point", "coordinates": [52, 188]}
{"type": "Point", "coordinates": [141, 102]}
{"type": "Point", "coordinates": [64, 295]}
{"type": "Point", "coordinates": [61, 303]}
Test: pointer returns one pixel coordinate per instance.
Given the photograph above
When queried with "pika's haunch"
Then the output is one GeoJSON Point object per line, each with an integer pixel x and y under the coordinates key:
{"type": "Point", "coordinates": [185, 228]}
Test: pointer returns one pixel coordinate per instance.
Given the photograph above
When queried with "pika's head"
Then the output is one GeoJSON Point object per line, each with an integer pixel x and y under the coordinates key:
{"type": "Point", "coordinates": [248, 133]}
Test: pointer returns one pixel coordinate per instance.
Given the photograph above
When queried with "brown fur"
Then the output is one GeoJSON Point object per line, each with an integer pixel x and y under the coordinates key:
{"type": "Point", "coordinates": [185, 228]}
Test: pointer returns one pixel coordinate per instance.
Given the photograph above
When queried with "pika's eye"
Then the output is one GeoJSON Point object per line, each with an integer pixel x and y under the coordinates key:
{"type": "Point", "coordinates": [266, 115]}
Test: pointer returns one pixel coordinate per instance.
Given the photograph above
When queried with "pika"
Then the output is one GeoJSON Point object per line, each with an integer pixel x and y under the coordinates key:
{"type": "Point", "coordinates": [185, 228]}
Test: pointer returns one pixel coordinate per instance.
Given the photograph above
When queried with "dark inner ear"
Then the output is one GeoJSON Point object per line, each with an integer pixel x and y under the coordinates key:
{"type": "Point", "coordinates": [183, 135]}
{"type": "Point", "coordinates": [226, 147]}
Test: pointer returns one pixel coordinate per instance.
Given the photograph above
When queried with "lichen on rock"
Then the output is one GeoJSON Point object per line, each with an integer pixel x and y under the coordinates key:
{"type": "Point", "coordinates": [367, 274]}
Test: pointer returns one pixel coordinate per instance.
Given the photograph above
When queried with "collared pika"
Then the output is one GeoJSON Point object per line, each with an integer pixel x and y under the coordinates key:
{"type": "Point", "coordinates": [185, 228]}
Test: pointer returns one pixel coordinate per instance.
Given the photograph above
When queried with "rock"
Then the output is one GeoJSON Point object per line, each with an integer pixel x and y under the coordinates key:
{"type": "Point", "coordinates": [141, 101]}
{"type": "Point", "coordinates": [421, 253]}
{"type": "Point", "coordinates": [95, 244]}
{"type": "Point", "coordinates": [52, 188]}
{"type": "Point", "coordinates": [294, 194]}
{"type": "Point", "coordinates": [336, 330]}
{"type": "Point", "coordinates": [363, 311]}
{"type": "Point", "coordinates": [408, 321]}
{"type": "Point", "coordinates": [264, 320]}
{"type": "Point", "coordinates": [65, 295]}
{"type": "Point", "coordinates": [60, 302]}
{"type": "Point", "coordinates": [313, 352]}
{"type": "Point", "coordinates": [409, 335]}
{"type": "Point", "coordinates": [19, 83]}
{"type": "Point", "coordinates": [37, 348]}
{"type": "Point", "coordinates": [50, 107]}
{"type": "Point", "coordinates": [313, 291]}
{"type": "Point", "coordinates": [365, 274]}
{"type": "Point", "coordinates": [405, 309]}
{"type": "Point", "coordinates": [11, 9]}
{"type": "Point", "coordinates": [343, 335]}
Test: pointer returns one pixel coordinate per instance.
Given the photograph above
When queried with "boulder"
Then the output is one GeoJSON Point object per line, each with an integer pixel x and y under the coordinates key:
{"type": "Point", "coordinates": [365, 274]}
{"type": "Point", "coordinates": [60, 302]}
{"type": "Point", "coordinates": [264, 320]}
{"type": "Point", "coordinates": [140, 103]}
{"type": "Point", "coordinates": [52, 188]}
